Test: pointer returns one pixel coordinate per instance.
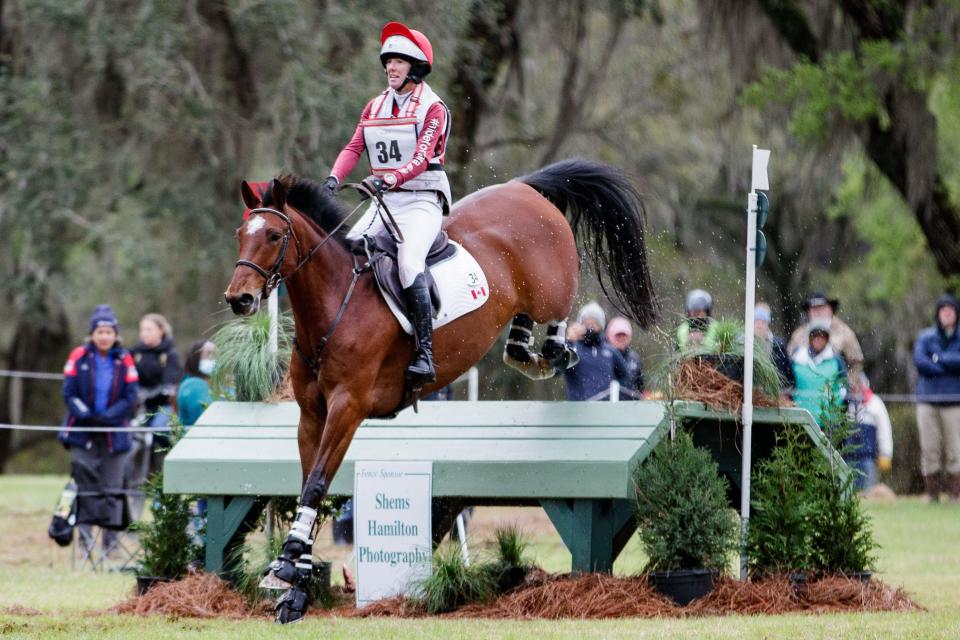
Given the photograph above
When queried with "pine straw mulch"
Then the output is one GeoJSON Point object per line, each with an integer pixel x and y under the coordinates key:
{"type": "Point", "coordinates": [552, 597]}
{"type": "Point", "coordinates": [696, 380]}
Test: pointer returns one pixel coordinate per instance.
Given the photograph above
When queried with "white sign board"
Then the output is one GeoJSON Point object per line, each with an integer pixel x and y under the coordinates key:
{"type": "Point", "coordinates": [392, 527]}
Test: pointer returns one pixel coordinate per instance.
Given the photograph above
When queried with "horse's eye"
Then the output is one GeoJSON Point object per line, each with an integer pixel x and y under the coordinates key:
{"type": "Point", "coordinates": [274, 236]}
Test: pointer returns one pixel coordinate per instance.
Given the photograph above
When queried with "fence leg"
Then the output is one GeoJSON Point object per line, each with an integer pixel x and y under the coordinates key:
{"type": "Point", "coordinates": [594, 530]}
{"type": "Point", "coordinates": [228, 520]}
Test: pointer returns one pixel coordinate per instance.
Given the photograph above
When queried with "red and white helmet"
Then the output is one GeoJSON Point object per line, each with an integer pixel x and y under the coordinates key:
{"type": "Point", "coordinates": [399, 41]}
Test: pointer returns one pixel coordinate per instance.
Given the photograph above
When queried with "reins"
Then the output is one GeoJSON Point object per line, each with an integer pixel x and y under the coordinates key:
{"type": "Point", "coordinates": [273, 278]}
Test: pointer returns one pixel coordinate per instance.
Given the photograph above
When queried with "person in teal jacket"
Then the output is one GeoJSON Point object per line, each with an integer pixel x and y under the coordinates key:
{"type": "Point", "coordinates": [821, 375]}
{"type": "Point", "coordinates": [193, 395]}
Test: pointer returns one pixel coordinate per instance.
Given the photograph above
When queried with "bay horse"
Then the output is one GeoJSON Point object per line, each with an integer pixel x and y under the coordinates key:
{"type": "Point", "coordinates": [351, 352]}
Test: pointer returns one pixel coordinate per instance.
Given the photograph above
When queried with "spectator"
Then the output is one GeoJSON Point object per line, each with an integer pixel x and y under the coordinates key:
{"type": "Point", "coordinates": [619, 334]}
{"type": "Point", "coordinates": [842, 337]}
{"type": "Point", "coordinates": [159, 367]}
{"type": "Point", "coordinates": [870, 446]}
{"type": "Point", "coordinates": [820, 375]}
{"type": "Point", "coordinates": [100, 389]}
{"type": "Point", "coordinates": [599, 363]}
{"type": "Point", "coordinates": [698, 329]}
{"type": "Point", "coordinates": [193, 395]}
{"type": "Point", "coordinates": [773, 344]}
{"type": "Point", "coordinates": [937, 356]}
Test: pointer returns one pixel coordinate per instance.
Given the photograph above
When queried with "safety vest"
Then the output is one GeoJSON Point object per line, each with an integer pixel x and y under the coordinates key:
{"type": "Point", "coordinates": [392, 141]}
{"type": "Point", "coordinates": [814, 376]}
{"type": "Point", "coordinates": [709, 337]}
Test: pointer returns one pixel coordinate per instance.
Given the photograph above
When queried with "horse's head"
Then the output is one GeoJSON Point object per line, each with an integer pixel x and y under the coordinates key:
{"type": "Point", "coordinates": [265, 254]}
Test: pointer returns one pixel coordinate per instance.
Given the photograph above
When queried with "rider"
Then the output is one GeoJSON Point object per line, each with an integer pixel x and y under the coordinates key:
{"type": "Point", "coordinates": [404, 131]}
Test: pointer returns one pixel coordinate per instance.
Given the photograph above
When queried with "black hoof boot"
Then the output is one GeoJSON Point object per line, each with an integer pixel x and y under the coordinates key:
{"type": "Point", "coordinates": [421, 370]}
{"type": "Point", "coordinates": [291, 606]}
{"type": "Point", "coordinates": [282, 572]}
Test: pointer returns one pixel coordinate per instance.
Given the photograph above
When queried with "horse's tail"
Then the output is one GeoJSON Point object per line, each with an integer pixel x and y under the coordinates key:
{"type": "Point", "coordinates": [605, 212]}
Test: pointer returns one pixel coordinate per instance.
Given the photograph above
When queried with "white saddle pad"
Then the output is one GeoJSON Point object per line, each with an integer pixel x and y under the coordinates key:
{"type": "Point", "coordinates": [463, 288]}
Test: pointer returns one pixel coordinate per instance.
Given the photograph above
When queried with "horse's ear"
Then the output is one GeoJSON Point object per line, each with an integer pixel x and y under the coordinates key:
{"type": "Point", "coordinates": [279, 194]}
{"type": "Point", "coordinates": [249, 197]}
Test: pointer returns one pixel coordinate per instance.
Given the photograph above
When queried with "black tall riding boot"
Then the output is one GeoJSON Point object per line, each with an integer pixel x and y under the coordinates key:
{"type": "Point", "coordinates": [421, 369]}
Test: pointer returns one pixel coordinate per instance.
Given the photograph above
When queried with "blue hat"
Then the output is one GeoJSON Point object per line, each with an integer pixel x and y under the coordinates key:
{"type": "Point", "coordinates": [103, 316]}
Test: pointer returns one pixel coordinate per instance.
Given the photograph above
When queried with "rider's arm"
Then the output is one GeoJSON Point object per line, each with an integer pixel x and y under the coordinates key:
{"type": "Point", "coordinates": [430, 141]}
{"type": "Point", "coordinates": [351, 153]}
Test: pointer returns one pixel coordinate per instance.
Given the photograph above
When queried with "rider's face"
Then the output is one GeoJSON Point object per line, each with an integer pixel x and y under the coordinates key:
{"type": "Point", "coordinates": [397, 71]}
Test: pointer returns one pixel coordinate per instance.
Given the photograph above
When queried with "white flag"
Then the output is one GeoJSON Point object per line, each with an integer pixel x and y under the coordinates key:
{"type": "Point", "coordinates": [759, 178]}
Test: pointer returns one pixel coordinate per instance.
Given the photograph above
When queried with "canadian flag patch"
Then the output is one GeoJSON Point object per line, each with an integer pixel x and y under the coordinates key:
{"type": "Point", "coordinates": [479, 293]}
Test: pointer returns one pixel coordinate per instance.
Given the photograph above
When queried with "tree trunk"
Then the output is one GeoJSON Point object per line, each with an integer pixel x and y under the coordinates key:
{"type": "Point", "coordinates": [491, 38]}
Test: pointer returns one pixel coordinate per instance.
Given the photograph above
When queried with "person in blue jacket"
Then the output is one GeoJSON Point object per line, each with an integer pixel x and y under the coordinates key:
{"type": "Point", "coordinates": [937, 356]}
{"type": "Point", "coordinates": [100, 390]}
{"type": "Point", "coordinates": [600, 363]}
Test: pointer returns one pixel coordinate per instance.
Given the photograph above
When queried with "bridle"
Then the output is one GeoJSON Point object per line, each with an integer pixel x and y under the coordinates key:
{"type": "Point", "coordinates": [273, 277]}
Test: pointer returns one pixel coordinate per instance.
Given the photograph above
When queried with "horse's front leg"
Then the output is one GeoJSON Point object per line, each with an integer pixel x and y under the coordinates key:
{"type": "Point", "coordinates": [344, 414]}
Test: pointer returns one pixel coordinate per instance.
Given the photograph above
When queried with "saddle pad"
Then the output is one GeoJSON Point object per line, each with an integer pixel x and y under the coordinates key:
{"type": "Point", "coordinates": [462, 286]}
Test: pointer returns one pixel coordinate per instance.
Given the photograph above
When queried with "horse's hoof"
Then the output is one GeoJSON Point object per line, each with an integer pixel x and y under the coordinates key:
{"type": "Point", "coordinates": [281, 574]}
{"type": "Point", "coordinates": [291, 606]}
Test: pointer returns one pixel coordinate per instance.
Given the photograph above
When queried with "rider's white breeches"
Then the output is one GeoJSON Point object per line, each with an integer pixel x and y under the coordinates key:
{"type": "Point", "coordinates": [419, 214]}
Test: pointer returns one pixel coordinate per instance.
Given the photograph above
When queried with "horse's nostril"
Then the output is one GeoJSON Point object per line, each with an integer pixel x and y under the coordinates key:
{"type": "Point", "coordinates": [246, 300]}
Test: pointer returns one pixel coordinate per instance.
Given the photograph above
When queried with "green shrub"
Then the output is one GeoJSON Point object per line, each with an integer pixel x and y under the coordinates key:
{"type": "Point", "coordinates": [780, 535]}
{"type": "Point", "coordinates": [508, 567]}
{"type": "Point", "coordinates": [682, 511]}
{"type": "Point", "coordinates": [246, 368]}
{"type": "Point", "coordinates": [452, 584]}
{"type": "Point", "coordinates": [167, 546]}
{"type": "Point", "coordinates": [805, 514]}
{"type": "Point", "coordinates": [842, 538]}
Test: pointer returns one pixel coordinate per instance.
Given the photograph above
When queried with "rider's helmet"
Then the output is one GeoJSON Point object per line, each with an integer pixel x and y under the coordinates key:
{"type": "Point", "coordinates": [698, 300]}
{"type": "Point", "coordinates": [398, 41]}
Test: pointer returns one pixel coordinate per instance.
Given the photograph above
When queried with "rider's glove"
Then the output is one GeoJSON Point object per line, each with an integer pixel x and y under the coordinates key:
{"type": "Point", "coordinates": [331, 183]}
{"type": "Point", "coordinates": [375, 184]}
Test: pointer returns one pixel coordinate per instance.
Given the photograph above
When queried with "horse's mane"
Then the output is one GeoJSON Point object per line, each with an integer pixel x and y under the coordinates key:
{"type": "Point", "coordinates": [313, 200]}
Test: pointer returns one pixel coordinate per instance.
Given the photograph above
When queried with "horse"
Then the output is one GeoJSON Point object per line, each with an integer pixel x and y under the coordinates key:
{"type": "Point", "coordinates": [350, 352]}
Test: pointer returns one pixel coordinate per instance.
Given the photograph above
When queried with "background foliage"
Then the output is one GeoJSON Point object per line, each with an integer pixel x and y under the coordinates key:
{"type": "Point", "coordinates": [126, 127]}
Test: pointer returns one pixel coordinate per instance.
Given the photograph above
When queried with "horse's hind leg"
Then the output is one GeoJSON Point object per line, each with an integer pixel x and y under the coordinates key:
{"type": "Point", "coordinates": [556, 351]}
{"type": "Point", "coordinates": [519, 354]}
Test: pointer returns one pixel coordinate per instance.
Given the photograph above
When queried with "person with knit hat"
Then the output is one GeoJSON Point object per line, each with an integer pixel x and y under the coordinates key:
{"type": "Point", "coordinates": [936, 354]}
{"type": "Point", "coordinates": [404, 132]}
{"type": "Point", "coordinates": [698, 329]}
{"type": "Point", "coordinates": [600, 363]}
{"type": "Point", "coordinates": [842, 338]}
{"type": "Point", "coordinates": [100, 390]}
{"type": "Point", "coordinates": [619, 334]}
{"type": "Point", "coordinates": [820, 374]}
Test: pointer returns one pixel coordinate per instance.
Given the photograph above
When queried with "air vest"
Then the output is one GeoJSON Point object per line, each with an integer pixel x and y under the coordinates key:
{"type": "Point", "coordinates": [392, 141]}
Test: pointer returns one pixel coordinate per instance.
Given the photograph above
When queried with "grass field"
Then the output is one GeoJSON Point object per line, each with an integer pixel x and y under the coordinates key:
{"type": "Point", "coordinates": [41, 597]}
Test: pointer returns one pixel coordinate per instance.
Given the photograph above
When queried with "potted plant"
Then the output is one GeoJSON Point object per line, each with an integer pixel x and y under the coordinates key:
{"type": "Point", "coordinates": [783, 512]}
{"type": "Point", "coordinates": [843, 542]}
{"type": "Point", "coordinates": [685, 373]}
{"type": "Point", "coordinates": [165, 542]}
{"type": "Point", "coordinates": [686, 527]}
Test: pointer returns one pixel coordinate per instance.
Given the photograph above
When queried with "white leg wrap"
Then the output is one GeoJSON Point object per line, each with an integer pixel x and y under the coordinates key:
{"type": "Point", "coordinates": [303, 524]}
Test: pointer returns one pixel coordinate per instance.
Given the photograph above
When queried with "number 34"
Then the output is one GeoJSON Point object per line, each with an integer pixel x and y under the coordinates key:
{"type": "Point", "coordinates": [394, 153]}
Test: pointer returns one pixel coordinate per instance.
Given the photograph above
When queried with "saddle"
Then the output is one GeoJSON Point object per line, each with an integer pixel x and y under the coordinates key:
{"type": "Point", "coordinates": [381, 253]}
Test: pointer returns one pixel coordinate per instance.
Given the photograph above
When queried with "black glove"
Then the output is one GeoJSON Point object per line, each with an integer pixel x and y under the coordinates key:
{"type": "Point", "coordinates": [375, 184]}
{"type": "Point", "coordinates": [331, 183]}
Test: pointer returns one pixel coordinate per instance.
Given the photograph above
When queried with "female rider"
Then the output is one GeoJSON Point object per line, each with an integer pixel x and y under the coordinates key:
{"type": "Point", "coordinates": [404, 131]}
